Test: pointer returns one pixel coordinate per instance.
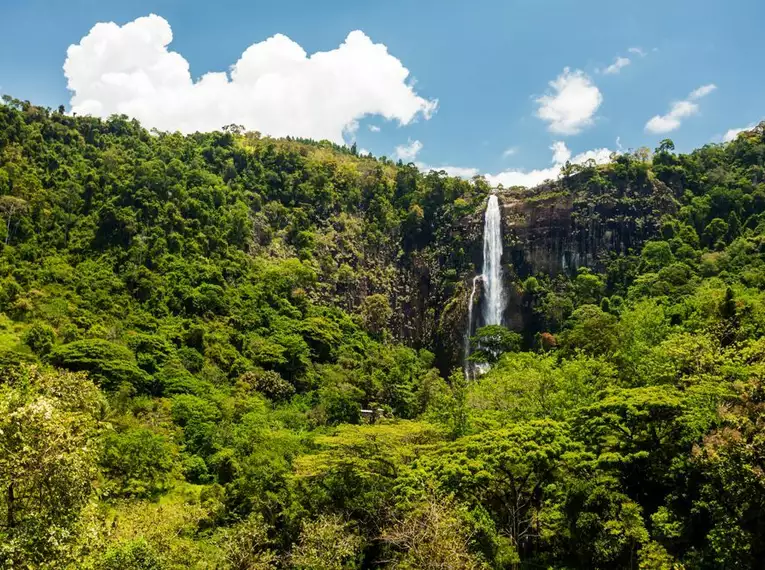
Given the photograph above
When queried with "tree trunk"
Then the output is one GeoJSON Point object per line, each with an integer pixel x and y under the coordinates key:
{"type": "Point", "coordinates": [10, 500]}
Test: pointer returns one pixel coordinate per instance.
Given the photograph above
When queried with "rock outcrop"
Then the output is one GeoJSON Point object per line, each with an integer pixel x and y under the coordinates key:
{"type": "Point", "coordinates": [551, 230]}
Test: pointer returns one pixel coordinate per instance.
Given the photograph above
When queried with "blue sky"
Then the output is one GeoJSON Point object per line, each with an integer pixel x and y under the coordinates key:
{"type": "Point", "coordinates": [488, 64]}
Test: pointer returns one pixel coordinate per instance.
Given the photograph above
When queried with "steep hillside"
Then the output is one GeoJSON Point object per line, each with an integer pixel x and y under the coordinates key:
{"type": "Point", "coordinates": [235, 352]}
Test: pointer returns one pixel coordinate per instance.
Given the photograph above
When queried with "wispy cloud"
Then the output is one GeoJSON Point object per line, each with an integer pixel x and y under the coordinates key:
{"type": "Point", "coordinates": [702, 91]}
{"type": "Point", "coordinates": [618, 64]}
{"type": "Point", "coordinates": [409, 151]}
{"type": "Point", "coordinates": [678, 111]}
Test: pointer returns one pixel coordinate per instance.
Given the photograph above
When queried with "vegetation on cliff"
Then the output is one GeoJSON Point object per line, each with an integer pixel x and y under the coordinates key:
{"type": "Point", "coordinates": [191, 326]}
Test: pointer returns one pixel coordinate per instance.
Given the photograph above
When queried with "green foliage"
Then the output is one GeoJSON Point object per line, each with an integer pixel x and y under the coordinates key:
{"type": "Point", "coordinates": [246, 545]}
{"type": "Point", "coordinates": [491, 342]}
{"type": "Point", "coordinates": [435, 534]}
{"type": "Point", "coordinates": [268, 383]}
{"type": "Point", "coordinates": [239, 300]}
{"type": "Point", "coordinates": [376, 313]}
{"type": "Point", "coordinates": [134, 555]}
{"type": "Point", "coordinates": [656, 255]}
{"type": "Point", "coordinates": [40, 338]}
{"type": "Point", "coordinates": [138, 462]}
{"type": "Point", "coordinates": [525, 386]}
{"type": "Point", "coordinates": [108, 363]}
{"type": "Point", "coordinates": [511, 473]}
{"type": "Point", "coordinates": [48, 426]}
{"type": "Point", "coordinates": [326, 544]}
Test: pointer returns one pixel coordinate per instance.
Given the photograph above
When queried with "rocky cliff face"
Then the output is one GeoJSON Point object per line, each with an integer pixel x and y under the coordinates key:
{"type": "Point", "coordinates": [557, 229]}
{"type": "Point", "coordinates": [552, 230]}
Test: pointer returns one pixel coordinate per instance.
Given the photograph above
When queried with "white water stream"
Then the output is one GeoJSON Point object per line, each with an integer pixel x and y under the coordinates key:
{"type": "Point", "coordinates": [493, 298]}
{"type": "Point", "coordinates": [494, 293]}
{"type": "Point", "coordinates": [469, 331]}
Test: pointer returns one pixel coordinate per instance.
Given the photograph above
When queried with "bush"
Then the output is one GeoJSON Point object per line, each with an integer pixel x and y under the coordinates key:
{"type": "Point", "coordinates": [133, 555]}
{"type": "Point", "coordinates": [268, 383]}
{"type": "Point", "coordinates": [40, 338]}
{"type": "Point", "coordinates": [195, 470]}
{"type": "Point", "coordinates": [376, 313]}
{"type": "Point", "coordinates": [191, 359]}
{"type": "Point", "coordinates": [327, 543]}
{"type": "Point", "coordinates": [109, 364]}
{"type": "Point", "coordinates": [341, 403]}
{"type": "Point", "coordinates": [139, 461]}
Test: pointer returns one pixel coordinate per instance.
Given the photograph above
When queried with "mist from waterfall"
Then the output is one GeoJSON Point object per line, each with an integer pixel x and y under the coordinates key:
{"type": "Point", "coordinates": [494, 294]}
{"type": "Point", "coordinates": [493, 297]}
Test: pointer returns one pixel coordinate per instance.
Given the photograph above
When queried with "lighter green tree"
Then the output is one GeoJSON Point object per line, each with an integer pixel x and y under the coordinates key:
{"type": "Point", "coordinates": [48, 428]}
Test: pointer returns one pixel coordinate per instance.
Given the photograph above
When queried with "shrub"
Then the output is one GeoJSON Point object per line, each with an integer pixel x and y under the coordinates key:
{"type": "Point", "coordinates": [40, 338]}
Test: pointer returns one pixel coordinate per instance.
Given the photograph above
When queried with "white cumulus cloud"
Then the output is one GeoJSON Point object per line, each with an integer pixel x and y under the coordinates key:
{"type": "Point", "coordinates": [678, 111]}
{"type": "Point", "coordinates": [528, 178]}
{"type": "Point", "coordinates": [409, 151]}
{"type": "Point", "coordinates": [561, 154]}
{"type": "Point", "coordinates": [571, 104]}
{"type": "Point", "coordinates": [459, 171]}
{"type": "Point", "coordinates": [618, 64]}
{"type": "Point", "coordinates": [274, 87]}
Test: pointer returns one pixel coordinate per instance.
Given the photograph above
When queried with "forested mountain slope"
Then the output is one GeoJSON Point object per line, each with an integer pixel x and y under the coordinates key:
{"type": "Point", "coordinates": [191, 326]}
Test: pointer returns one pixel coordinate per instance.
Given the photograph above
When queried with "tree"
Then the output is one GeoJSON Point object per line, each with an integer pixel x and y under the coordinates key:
{"type": "Point", "coordinates": [434, 535]}
{"type": "Point", "coordinates": [642, 433]}
{"type": "Point", "coordinates": [666, 145]}
{"type": "Point", "coordinates": [592, 330]}
{"type": "Point", "coordinates": [131, 555]}
{"type": "Point", "coordinates": [513, 473]}
{"type": "Point", "coordinates": [731, 502]}
{"type": "Point", "coordinates": [268, 383]}
{"type": "Point", "coordinates": [490, 342]}
{"type": "Point", "coordinates": [656, 255]}
{"type": "Point", "coordinates": [49, 422]}
{"type": "Point", "coordinates": [715, 231]}
{"type": "Point", "coordinates": [524, 386]}
{"type": "Point", "coordinates": [328, 543]}
{"type": "Point", "coordinates": [139, 461]}
{"type": "Point", "coordinates": [588, 286]}
{"type": "Point", "coordinates": [246, 545]}
{"type": "Point", "coordinates": [40, 338]}
{"type": "Point", "coordinates": [11, 206]}
{"type": "Point", "coordinates": [376, 314]}
{"type": "Point", "coordinates": [606, 526]}
{"type": "Point", "coordinates": [109, 363]}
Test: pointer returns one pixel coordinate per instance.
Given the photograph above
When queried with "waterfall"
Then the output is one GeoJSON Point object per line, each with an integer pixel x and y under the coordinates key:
{"type": "Point", "coordinates": [469, 330]}
{"type": "Point", "coordinates": [494, 294]}
{"type": "Point", "coordinates": [493, 298]}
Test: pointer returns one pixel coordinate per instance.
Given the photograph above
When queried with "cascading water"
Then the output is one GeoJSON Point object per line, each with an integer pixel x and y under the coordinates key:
{"type": "Point", "coordinates": [493, 291]}
{"type": "Point", "coordinates": [494, 294]}
{"type": "Point", "coordinates": [469, 330]}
